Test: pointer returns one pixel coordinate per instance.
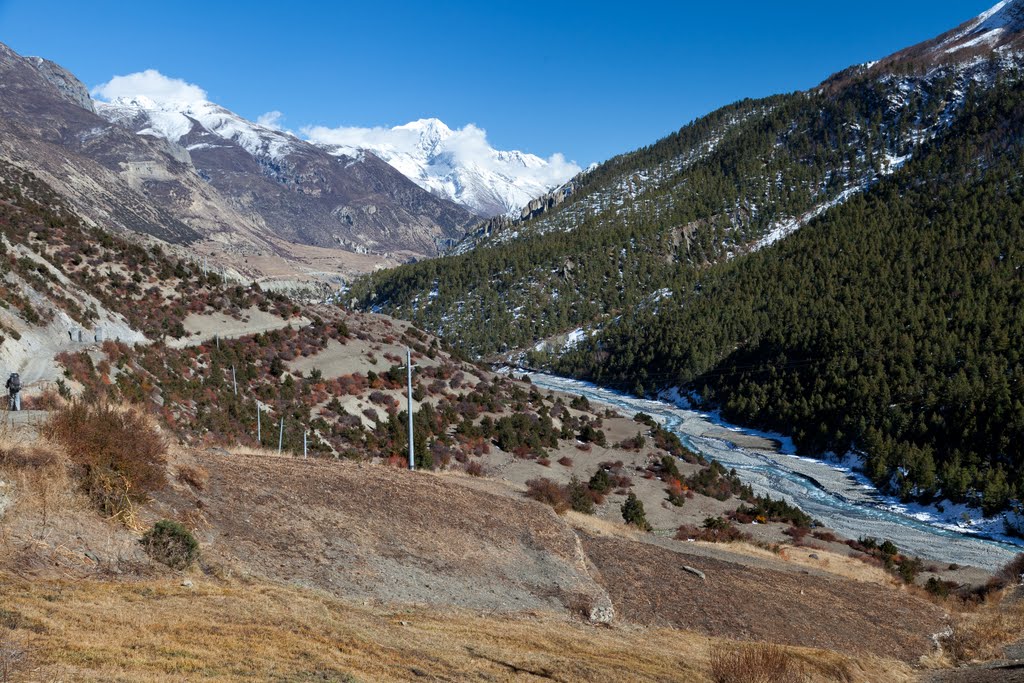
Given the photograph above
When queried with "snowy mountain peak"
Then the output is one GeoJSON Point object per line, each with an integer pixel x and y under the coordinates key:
{"type": "Point", "coordinates": [991, 29]}
{"type": "Point", "coordinates": [457, 164]}
{"type": "Point", "coordinates": [173, 119]}
{"type": "Point", "coordinates": [1007, 14]}
{"type": "Point", "coordinates": [431, 133]}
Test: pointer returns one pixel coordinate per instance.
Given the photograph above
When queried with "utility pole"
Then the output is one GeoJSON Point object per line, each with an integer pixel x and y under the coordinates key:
{"type": "Point", "coordinates": [234, 380]}
{"type": "Point", "coordinates": [280, 437]}
{"type": "Point", "coordinates": [408, 367]}
{"type": "Point", "coordinates": [305, 453]}
{"type": "Point", "coordinates": [259, 430]}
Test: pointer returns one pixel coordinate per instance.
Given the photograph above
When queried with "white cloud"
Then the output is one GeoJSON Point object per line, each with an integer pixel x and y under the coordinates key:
{"type": "Point", "coordinates": [392, 139]}
{"type": "Point", "coordinates": [272, 119]}
{"type": "Point", "coordinates": [152, 84]}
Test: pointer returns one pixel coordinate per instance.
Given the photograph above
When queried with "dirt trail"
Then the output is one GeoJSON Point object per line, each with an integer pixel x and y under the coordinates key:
{"type": "Point", "coordinates": [201, 327]}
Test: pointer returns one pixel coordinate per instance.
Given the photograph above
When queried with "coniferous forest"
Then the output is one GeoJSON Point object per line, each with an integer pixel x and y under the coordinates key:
{"type": "Point", "coordinates": [890, 324]}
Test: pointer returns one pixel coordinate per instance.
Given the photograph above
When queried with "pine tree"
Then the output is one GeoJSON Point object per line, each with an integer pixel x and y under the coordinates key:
{"type": "Point", "coordinates": [633, 512]}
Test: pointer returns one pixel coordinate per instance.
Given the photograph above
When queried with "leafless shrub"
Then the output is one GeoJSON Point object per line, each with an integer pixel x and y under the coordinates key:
{"type": "Point", "coordinates": [119, 453]}
{"type": "Point", "coordinates": [21, 458]}
{"type": "Point", "coordinates": [1010, 574]}
{"type": "Point", "coordinates": [546, 491]}
{"type": "Point", "coordinates": [194, 476]}
{"type": "Point", "coordinates": [13, 657]}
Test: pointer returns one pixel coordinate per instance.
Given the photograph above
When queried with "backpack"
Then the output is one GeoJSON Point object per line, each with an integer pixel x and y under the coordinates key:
{"type": "Point", "coordinates": [14, 382]}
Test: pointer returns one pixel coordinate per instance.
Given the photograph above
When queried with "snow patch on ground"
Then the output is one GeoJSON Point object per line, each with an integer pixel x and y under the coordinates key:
{"type": "Point", "coordinates": [786, 228]}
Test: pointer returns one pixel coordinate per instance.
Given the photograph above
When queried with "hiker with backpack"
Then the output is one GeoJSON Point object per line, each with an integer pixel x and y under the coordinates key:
{"type": "Point", "coordinates": [14, 390]}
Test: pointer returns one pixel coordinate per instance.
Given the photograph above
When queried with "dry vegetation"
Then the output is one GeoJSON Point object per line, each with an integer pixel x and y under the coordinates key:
{"type": "Point", "coordinates": [267, 519]}
{"type": "Point", "coordinates": [118, 454]}
{"type": "Point", "coordinates": [159, 631]}
{"type": "Point", "coordinates": [981, 632]}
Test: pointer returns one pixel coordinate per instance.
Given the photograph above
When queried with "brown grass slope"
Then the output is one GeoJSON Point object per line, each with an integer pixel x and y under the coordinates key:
{"type": "Point", "coordinates": [157, 631]}
{"type": "Point", "coordinates": [649, 586]}
{"type": "Point", "coordinates": [371, 531]}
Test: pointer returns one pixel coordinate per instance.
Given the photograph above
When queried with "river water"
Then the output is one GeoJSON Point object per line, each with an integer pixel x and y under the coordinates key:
{"type": "Point", "coordinates": [834, 494]}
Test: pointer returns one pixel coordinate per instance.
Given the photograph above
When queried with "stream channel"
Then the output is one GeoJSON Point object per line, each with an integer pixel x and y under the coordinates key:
{"type": "Point", "coordinates": [833, 493]}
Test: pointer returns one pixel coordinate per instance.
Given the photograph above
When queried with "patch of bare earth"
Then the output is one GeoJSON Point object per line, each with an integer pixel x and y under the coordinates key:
{"type": "Point", "coordinates": [649, 585]}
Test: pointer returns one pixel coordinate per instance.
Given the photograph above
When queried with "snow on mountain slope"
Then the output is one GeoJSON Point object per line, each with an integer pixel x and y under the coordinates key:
{"type": "Point", "coordinates": [989, 28]}
{"type": "Point", "coordinates": [175, 119]}
{"type": "Point", "coordinates": [457, 164]}
{"type": "Point", "coordinates": [996, 31]}
{"type": "Point", "coordinates": [298, 190]}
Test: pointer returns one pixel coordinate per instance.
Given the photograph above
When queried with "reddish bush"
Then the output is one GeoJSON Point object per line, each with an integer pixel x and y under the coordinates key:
{"type": "Point", "coordinates": [798, 534]}
{"type": "Point", "coordinates": [714, 530]}
{"type": "Point", "coordinates": [546, 491]}
{"type": "Point", "coordinates": [565, 461]}
{"type": "Point", "coordinates": [194, 476]}
{"type": "Point", "coordinates": [119, 452]}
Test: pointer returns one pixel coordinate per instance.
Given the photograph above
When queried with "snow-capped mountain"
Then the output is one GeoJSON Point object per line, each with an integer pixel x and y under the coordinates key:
{"type": "Point", "coordinates": [992, 28]}
{"type": "Point", "coordinates": [173, 120]}
{"type": "Point", "coordinates": [297, 189]}
{"type": "Point", "coordinates": [456, 164]}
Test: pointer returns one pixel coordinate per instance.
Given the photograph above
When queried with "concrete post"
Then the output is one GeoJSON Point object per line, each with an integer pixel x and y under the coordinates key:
{"type": "Point", "coordinates": [408, 367]}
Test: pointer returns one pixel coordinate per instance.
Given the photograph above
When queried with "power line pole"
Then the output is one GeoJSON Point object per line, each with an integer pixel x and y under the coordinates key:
{"type": "Point", "coordinates": [305, 453]}
{"type": "Point", "coordinates": [259, 430]}
{"type": "Point", "coordinates": [280, 437]}
{"type": "Point", "coordinates": [408, 367]}
{"type": "Point", "coordinates": [234, 380]}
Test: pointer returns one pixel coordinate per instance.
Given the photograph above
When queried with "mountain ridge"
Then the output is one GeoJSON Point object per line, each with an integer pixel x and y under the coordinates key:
{"type": "Point", "coordinates": [597, 286]}
{"type": "Point", "coordinates": [254, 213]}
{"type": "Point", "coordinates": [459, 165]}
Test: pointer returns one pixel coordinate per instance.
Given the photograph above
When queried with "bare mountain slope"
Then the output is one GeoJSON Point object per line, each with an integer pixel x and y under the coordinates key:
{"type": "Point", "coordinates": [243, 200]}
{"type": "Point", "coordinates": [301, 192]}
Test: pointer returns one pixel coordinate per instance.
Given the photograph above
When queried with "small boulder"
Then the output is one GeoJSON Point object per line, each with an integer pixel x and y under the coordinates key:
{"type": "Point", "coordinates": [696, 572]}
{"type": "Point", "coordinates": [601, 615]}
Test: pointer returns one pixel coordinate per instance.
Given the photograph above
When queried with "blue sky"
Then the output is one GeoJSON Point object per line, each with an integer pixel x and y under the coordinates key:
{"type": "Point", "coordinates": [588, 79]}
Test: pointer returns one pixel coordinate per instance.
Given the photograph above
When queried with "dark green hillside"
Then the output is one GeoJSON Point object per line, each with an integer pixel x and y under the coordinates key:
{"type": "Point", "coordinates": [893, 323]}
{"type": "Point", "coordinates": [659, 216]}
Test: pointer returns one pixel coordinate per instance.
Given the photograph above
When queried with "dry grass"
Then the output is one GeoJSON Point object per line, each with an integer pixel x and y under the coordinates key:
{"type": "Point", "coordinates": [602, 527]}
{"type": "Point", "coordinates": [159, 631]}
{"type": "Point", "coordinates": [14, 653]}
{"type": "Point", "coordinates": [767, 663]}
{"type": "Point", "coordinates": [827, 561]}
{"type": "Point", "coordinates": [253, 451]}
{"type": "Point", "coordinates": [37, 483]}
{"type": "Point", "coordinates": [980, 634]}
